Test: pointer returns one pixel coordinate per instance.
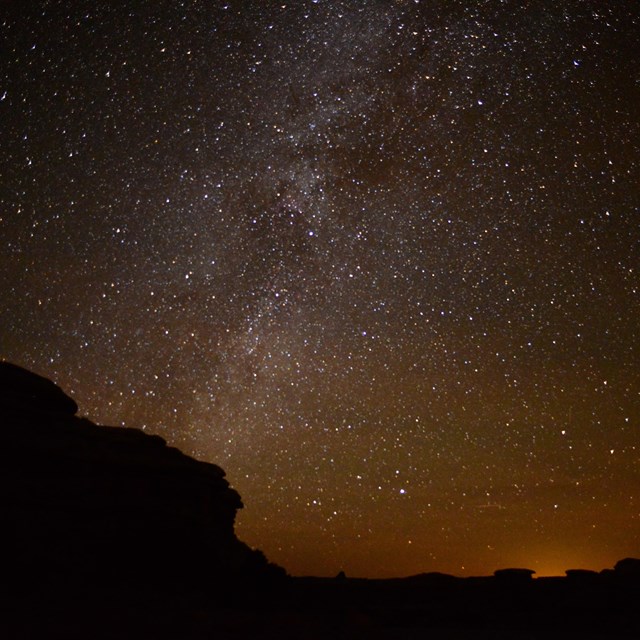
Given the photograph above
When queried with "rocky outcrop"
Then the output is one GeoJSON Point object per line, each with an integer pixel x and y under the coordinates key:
{"type": "Point", "coordinates": [84, 502]}
{"type": "Point", "coordinates": [514, 576]}
{"type": "Point", "coordinates": [22, 389]}
{"type": "Point", "coordinates": [628, 568]}
{"type": "Point", "coordinates": [582, 575]}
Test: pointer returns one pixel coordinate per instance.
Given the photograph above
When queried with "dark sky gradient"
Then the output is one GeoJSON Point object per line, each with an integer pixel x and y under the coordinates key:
{"type": "Point", "coordinates": [379, 260]}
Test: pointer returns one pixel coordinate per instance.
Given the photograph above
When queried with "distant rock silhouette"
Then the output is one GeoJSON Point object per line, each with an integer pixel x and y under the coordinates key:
{"type": "Point", "coordinates": [431, 578]}
{"type": "Point", "coordinates": [514, 575]}
{"type": "Point", "coordinates": [582, 575]}
{"type": "Point", "coordinates": [83, 502]}
{"type": "Point", "coordinates": [628, 568]}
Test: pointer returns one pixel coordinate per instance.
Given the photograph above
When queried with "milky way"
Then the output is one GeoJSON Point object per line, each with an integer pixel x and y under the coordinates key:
{"type": "Point", "coordinates": [379, 260]}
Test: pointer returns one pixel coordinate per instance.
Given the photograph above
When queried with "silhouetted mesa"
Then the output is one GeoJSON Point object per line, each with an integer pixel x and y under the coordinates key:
{"type": "Point", "coordinates": [100, 504]}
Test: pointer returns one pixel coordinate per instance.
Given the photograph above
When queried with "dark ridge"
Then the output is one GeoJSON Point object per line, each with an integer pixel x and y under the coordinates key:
{"type": "Point", "coordinates": [514, 575]}
{"type": "Point", "coordinates": [85, 503]}
{"type": "Point", "coordinates": [22, 389]}
{"type": "Point", "coordinates": [581, 574]}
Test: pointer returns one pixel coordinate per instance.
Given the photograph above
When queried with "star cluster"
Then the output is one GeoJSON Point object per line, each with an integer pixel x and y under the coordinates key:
{"type": "Point", "coordinates": [379, 260]}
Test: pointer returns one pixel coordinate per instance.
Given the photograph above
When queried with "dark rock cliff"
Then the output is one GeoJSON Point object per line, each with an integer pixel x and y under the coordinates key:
{"type": "Point", "coordinates": [88, 503]}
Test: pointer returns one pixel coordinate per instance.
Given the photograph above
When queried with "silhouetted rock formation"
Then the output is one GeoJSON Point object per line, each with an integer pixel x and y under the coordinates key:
{"type": "Point", "coordinates": [22, 389]}
{"type": "Point", "coordinates": [514, 575]}
{"type": "Point", "coordinates": [628, 568]}
{"type": "Point", "coordinates": [432, 578]}
{"type": "Point", "coordinates": [88, 503]}
{"type": "Point", "coordinates": [582, 575]}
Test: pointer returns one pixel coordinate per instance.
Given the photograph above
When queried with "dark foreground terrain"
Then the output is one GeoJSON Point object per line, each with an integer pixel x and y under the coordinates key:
{"type": "Point", "coordinates": [323, 608]}
{"type": "Point", "coordinates": [110, 533]}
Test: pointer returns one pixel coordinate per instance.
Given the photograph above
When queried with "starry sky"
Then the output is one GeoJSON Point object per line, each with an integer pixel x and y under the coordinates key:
{"type": "Point", "coordinates": [379, 260]}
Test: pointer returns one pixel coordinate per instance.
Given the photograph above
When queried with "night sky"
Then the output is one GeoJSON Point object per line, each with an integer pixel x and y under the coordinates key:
{"type": "Point", "coordinates": [379, 260]}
